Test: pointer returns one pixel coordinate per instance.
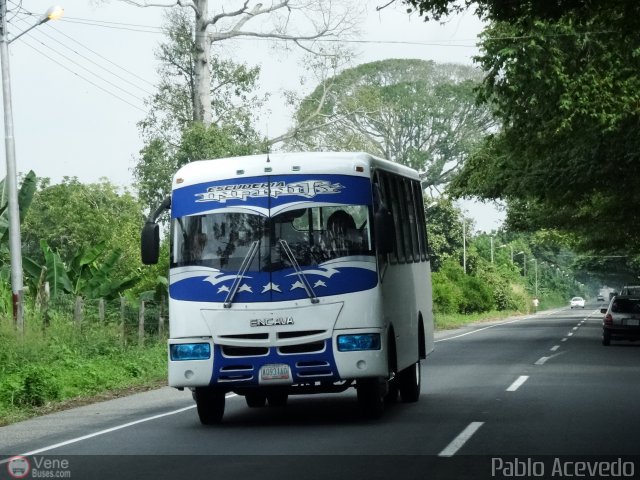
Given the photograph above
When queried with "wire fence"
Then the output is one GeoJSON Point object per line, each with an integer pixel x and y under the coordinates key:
{"type": "Point", "coordinates": [136, 320]}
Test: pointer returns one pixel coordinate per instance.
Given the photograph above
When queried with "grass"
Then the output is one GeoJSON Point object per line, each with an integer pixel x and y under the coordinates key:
{"type": "Point", "coordinates": [45, 369]}
{"type": "Point", "coordinates": [447, 321]}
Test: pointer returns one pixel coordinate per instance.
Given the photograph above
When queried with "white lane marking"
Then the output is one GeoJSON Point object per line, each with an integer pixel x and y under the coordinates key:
{"type": "Point", "coordinates": [108, 430]}
{"type": "Point", "coordinates": [518, 383]}
{"type": "Point", "coordinates": [554, 348]}
{"type": "Point", "coordinates": [543, 360]}
{"type": "Point", "coordinates": [569, 334]}
{"type": "Point", "coordinates": [480, 329]}
{"type": "Point", "coordinates": [575, 328]}
{"type": "Point", "coordinates": [564, 339]}
{"type": "Point", "coordinates": [457, 443]}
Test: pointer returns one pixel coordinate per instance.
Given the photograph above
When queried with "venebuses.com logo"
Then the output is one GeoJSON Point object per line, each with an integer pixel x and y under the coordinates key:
{"type": "Point", "coordinates": [38, 467]}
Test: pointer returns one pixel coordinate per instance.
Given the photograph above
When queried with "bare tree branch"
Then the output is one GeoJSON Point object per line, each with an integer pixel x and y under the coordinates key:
{"type": "Point", "coordinates": [176, 3]}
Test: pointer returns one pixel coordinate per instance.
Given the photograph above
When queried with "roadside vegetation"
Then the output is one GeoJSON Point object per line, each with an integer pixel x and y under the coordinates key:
{"type": "Point", "coordinates": [81, 241]}
{"type": "Point", "coordinates": [50, 368]}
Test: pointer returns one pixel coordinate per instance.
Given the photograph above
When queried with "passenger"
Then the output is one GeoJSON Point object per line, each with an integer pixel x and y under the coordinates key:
{"type": "Point", "coordinates": [343, 234]}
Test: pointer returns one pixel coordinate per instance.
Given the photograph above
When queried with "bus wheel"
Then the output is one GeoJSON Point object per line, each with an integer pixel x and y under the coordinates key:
{"type": "Point", "coordinates": [370, 397]}
{"type": "Point", "coordinates": [409, 383]}
{"type": "Point", "coordinates": [256, 400]}
{"type": "Point", "coordinates": [210, 403]}
{"type": "Point", "coordinates": [277, 399]}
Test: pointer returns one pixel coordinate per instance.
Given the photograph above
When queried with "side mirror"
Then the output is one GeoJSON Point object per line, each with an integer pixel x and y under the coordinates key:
{"type": "Point", "coordinates": [384, 230]}
{"type": "Point", "coordinates": [150, 243]}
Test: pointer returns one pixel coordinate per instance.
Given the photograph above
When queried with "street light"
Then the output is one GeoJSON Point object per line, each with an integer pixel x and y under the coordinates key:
{"type": "Point", "coordinates": [511, 247]}
{"type": "Point", "coordinates": [536, 265]}
{"type": "Point", "coordinates": [12, 188]}
{"type": "Point", "coordinates": [464, 244]}
{"type": "Point", "coordinates": [524, 261]}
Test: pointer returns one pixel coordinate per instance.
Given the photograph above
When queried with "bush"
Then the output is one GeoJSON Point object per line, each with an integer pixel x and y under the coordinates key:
{"type": "Point", "coordinates": [38, 387]}
{"type": "Point", "coordinates": [456, 292]}
{"type": "Point", "coordinates": [446, 294]}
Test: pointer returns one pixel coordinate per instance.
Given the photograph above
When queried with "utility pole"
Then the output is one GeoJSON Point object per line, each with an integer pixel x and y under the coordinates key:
{"type": "Point", "coordinates": [15, 248]}
{"type": "Point", "coordinates": [15, 243]}
{"type": "Point", "coordinates": [464, 244]}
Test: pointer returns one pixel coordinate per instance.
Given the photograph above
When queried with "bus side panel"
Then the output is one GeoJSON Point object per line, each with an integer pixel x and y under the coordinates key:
{"type": "Point", "coordinates": [400, 311]}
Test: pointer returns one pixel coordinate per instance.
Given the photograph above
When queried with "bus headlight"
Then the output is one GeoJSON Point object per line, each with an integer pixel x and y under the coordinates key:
{"type": "Point", "coordinates": [362, 341]}
{"type": "Point", "coordinates": [190, 351]}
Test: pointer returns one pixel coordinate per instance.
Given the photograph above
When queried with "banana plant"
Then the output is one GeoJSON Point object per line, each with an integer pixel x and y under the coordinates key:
{"type": "Point", "coordinates": [86, 276]}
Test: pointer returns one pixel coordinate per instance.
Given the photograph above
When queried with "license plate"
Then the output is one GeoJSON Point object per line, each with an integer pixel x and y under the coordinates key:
{"type": "Point", "coordinates": [275, 372]}
{"type": "Point", "coordinates": [633, 322]}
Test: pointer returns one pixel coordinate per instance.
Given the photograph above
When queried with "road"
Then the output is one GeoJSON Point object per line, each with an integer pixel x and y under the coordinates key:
{"type": "Point", "coordinates": [527, 389]}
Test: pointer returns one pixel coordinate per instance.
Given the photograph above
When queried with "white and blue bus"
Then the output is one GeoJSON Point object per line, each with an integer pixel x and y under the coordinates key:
{"type": "Point", "coordinates": [296, 273]}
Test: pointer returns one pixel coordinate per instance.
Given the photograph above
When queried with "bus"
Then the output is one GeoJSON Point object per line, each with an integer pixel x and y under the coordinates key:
{"type": "Point", "coordinates": [296, 273]}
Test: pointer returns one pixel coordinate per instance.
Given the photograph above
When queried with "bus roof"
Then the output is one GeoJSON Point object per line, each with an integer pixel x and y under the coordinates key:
{"type": "Point", "coordinates": [344, 163]}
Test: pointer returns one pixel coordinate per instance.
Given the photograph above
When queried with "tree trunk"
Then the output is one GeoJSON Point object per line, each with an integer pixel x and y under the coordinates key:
{"type": "Point", "coordinates": [202, 74]}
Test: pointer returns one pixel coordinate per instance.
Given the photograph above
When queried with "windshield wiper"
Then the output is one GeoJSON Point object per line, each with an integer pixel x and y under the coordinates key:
{"type": "Point", "coordinates": [305, 283]}
{"type": "Point", "coordinates": [243, 269]}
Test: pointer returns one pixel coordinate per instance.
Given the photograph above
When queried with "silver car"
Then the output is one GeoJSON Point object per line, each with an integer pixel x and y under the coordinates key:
{"type": "Point", "coordinates": [621, 319]}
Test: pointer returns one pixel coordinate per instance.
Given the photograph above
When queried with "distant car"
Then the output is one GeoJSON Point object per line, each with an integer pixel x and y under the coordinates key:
{"type": "Point", "coordinates": [600, 298]}
{"type": "Point", "coordinates": [621, 319]}
{"type": "Point", "coordinates": [577, 302]}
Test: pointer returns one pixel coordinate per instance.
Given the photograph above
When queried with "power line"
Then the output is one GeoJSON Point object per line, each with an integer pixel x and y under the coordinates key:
{"type": "Point", "coordinates": [93, 62]}
{"type": "Point", "coordinates": [86, 69]}
{"type": "Point", "coordinates": [84, 78]}
{"type": "Point", "coordinates": [104, 58]}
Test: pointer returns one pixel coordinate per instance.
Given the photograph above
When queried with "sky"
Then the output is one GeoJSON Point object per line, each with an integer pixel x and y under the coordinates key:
{"type": "Point", "coordinates": [78, 84]}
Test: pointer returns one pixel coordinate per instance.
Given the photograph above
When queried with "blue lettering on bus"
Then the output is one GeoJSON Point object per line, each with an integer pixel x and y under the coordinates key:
{"type": "Point", "coordinates": [275, 191]}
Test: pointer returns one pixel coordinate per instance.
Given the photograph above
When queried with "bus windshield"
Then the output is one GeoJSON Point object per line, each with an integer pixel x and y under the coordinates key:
{"type": "Point", "coordinates": [314, 235]}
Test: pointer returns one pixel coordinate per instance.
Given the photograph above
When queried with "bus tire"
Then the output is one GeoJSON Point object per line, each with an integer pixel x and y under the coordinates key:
{"type": "Point", "coordinates": [277, 399]}
{"type": "Point", "coordinates": [370, 397]}
{"type": "Point", "coordinates": [255, 400]}
{"type": "Point", "coordinates": [409, 383]}
{"type": "Point", "coordinates": [210, 405]}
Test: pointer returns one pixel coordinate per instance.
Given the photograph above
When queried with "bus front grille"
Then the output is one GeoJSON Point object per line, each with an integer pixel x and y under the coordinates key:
{"type": "Point", "coordinates": [298, 334]}
{"type": "Point", "coordinates": [313, 347]}
{"type": "Point", "coordinates": [233, 351]}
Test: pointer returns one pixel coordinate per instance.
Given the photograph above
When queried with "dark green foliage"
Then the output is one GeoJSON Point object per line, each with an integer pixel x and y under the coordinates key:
{"type": "Point", "coordinates": [39, 386]}
{"type": "Point", "coordinates": [455, 292]}
{"type": "Point", "coordinates": [562, 77]}
{"type": "Point", "coordinates": [444, 229]}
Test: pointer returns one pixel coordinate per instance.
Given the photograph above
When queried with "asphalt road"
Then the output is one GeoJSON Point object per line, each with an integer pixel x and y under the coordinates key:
{"type": "Point", "coordinates": [525, 393]}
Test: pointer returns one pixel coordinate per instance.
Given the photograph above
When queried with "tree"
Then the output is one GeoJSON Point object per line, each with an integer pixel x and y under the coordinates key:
{"type": "Point", "coordinates": [444, 232]}
{"type": "Point", "coordinates": [414, 112]}
{"type": "Point", "coordinates": [171, 108]}
{"type": "Point", "coordinates": [563, 81]}
{"type": "Point", "coordinates": [300, 22]}
{"type": "Point", "coordinates": [172, 116]}
{"type": "Point", "coordinates": [158, 161]}
{"type": "Point", "coordinates": [72, 217]}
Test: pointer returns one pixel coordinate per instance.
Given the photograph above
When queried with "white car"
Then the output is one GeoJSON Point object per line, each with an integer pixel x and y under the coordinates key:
{"type": "Point", "coordinates": [577, 302]}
